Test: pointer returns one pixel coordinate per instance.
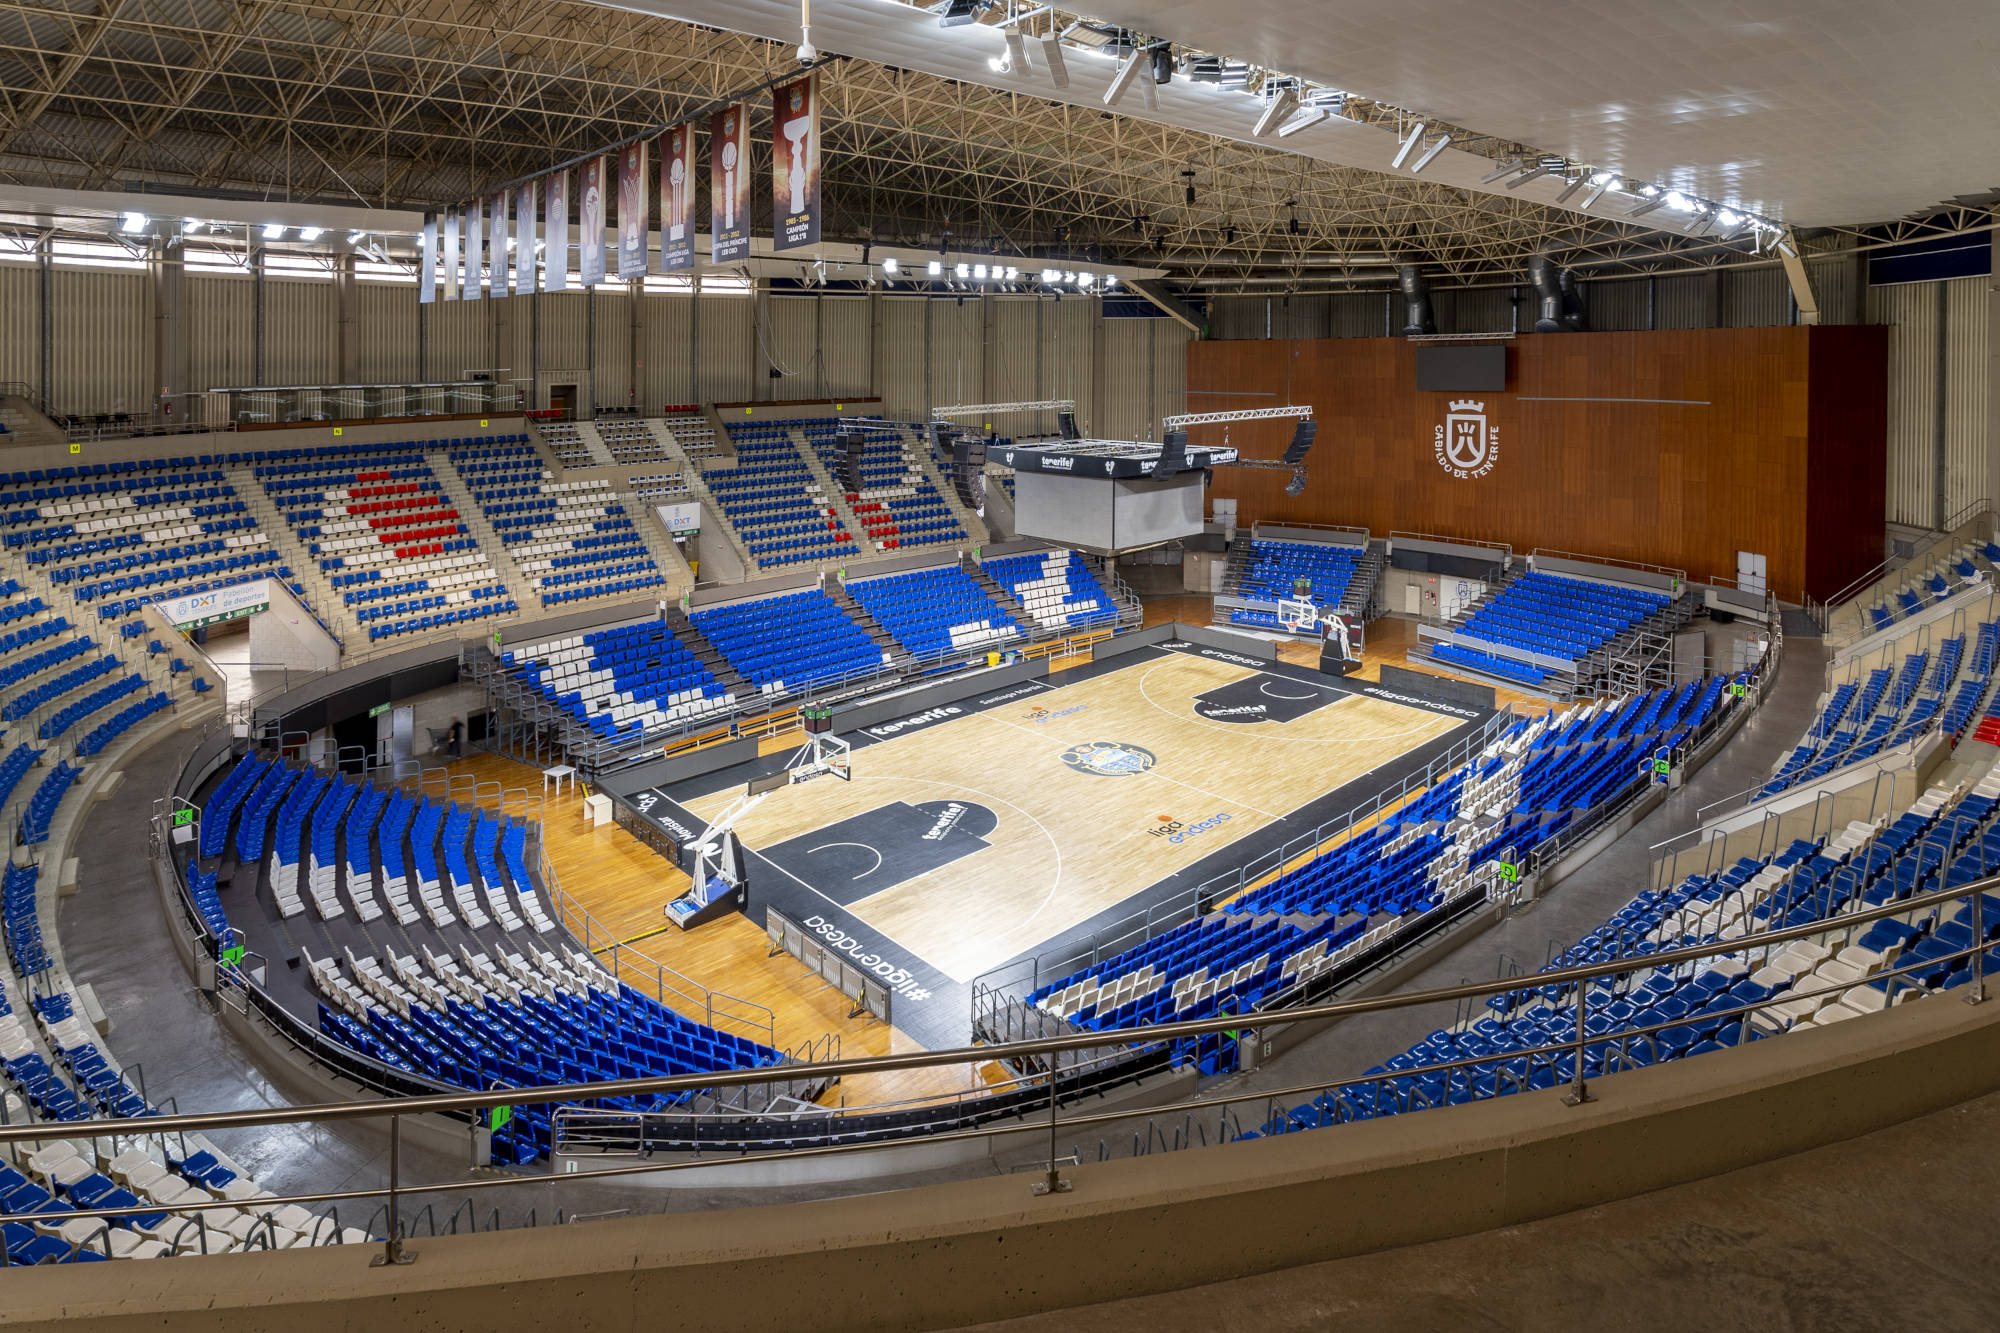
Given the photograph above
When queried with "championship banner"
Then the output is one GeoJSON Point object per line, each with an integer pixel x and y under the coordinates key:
{"type": "Point", "coordinates": [590, 223]}
{"type": "Point", "coordinates": [524, 239]}
{"type": "Point", "coordinates": [795, 164]}
{"type": "Point", "coordinates": [451, 276]}
{"type": "Point", "coordinates": [427, 266]}
{"type": "Point", "coordinates": [475, 244]}
{"type": "Point", "coordinates": [632, 209]}
{"type": "Point", "coordinates": [677, 199]}
{"type": "Point", "coordinates": [729, 185]}
{"type": "Point", "coordinates": [496, 259]}
{"type": "Point", "coordinates": [555, 230]}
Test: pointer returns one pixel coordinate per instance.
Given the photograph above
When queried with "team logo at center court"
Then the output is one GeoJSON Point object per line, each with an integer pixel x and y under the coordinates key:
{"type": "Point", "coordinates": [1111, 759]}
{"type": "Point", "coordinates": [1465, 445]}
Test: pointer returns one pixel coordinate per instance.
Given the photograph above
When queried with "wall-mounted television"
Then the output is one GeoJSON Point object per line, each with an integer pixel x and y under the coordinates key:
{"type": "Point", "coordinates": [1450, 369]}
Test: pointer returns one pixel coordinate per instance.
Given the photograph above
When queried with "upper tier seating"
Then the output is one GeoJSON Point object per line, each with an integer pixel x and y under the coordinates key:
{"type": "Point", "coordinates": [662, 487]}
{"type": "Point", "coordinates": [1057, 589]}
{"type": "Point", "coordinates": [774, 502]}
{"type": "Point", "coordinates": [526, 1009]}
{"type": "Point", "coordinates": [896, 506]}
{"type": "Point", "coordinates": [566, 442]}
{"type": "Point", "coordinates": [1534, 781]}
{"type": "Point", "coordinates": [631, 442]}
{"type": "Point", "coordinates": [571, 539]}
{"type": "Point", "coordinates": [119, 535]}
{"type": "Point", "coordinates": [789, 642]}
{"type": "Point", "coordinates": [690, 430]}
{"type": "Point", "coordinates": [933, 612]}
{"type": "Point", "coordinates": [1945, 840]}
{"type": "Point", "coordinates": [1273, 565]}
{"type": "Point", "coordinates": [377, 519]}
{"type": "Point", "coordinates": [631, 678]}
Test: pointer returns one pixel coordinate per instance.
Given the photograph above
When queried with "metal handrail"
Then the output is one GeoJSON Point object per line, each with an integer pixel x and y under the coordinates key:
{"type": "Point", "coordinates": [1506, 549]}
{"type": "Point", "coordinates": [1154, 1034]}
{"type": "Point", "coordinates": [1611, 561]}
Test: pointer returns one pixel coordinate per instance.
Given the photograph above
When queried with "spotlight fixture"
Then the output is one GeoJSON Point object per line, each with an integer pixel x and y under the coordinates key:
{"type": "Point", "coordinates": [1122, 80]}
{"type": "Point", "coordinates": [1534, 172]}
{"type": "Point", "coordinates": [935, 268]}
{"type": "Point", "coordinates": [1229, 234]}
{"type": "Point", "coordinates": [889, 265]}
{"type": "Point", "coordinates": [1297, 485]}
{"type": "Point", "coordinates": [1598, 185]}
{"type": "Point", "coordinates": [1604, 178]}
{"type": "Point", "coordinates": [134, 222]}
{"type": "Point", "coordinates": [1163, 63]}
{"type": "Point", "coordinates": [1083, 280]}
{"type": "Point", "coordinates": [273, 231]}
{"type": "Point", "coordinates": [1305, 120]}
{"type": "Point", "coordinates": [963, 270]}
{"type": "Point", "coordinates": [354, 237]}
{"type": "Point", "coordinates": [1292, 224]}
{"type": "Point", "coordinates": [1276, 112]}
{"type": "Point", "coordinates": [1647, 205]}
{"type": "Point", "coordinates": [1069, 278]}
{"type": "Point", "coordinates": [1404, 148]}
{"type": "Point", "coordinates": [1679, 202]}
{"type": "Point", "coordinates": [311, 233]}
{"type": "Point", "coordinates": [1507, 168]}
{"type": "Point", "coordinates": [1430, 154]}
{"type": "Point", "coordinates": [1013, 274]}
{"type": "Point", "coordinates": [1569, 190]}
{"type": "Point", "coordinates": [979, 272]}
{"type": "Point", "coordinates": [1187, 174]}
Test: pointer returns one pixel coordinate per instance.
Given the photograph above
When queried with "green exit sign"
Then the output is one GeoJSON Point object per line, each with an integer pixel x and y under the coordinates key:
{"type": "Point", "coordinates": [1663, 766]}
{"type": "Point", "coordinates": [1510, 872]}
{"type": "Point", "coordinates": [380, 709]}
{"type": "Point", "coordinates": [182, 818]}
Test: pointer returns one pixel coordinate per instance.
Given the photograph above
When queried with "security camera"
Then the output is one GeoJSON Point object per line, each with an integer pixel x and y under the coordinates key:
{"type": "Point", "coordinates": [808, 53]}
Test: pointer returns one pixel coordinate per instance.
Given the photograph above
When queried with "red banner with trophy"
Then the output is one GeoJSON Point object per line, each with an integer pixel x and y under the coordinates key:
{"type": "Point", "coordinates": [677, 199]}
{"type": "Point", "coordinates": [555, 232]}
{"type": "Point", "coordinates": [632, 210]}
{"type": "Point", "coordinates": [590, 223]}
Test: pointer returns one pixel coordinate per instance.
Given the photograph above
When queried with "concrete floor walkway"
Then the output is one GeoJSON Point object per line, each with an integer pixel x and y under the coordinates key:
{"type": "Point", "coordinates": [1891, 1230]}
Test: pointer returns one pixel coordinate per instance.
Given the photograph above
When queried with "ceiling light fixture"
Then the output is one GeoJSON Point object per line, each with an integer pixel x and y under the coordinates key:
{"type": "Point", "coordinates": [1305, 120]}
{"type": "Point", "coordinates": [1430, 154]}
{"type": "Point", "coordinates": [1646, 206]}
{"type": "Point", "coordinates": [273, 231]}
{"type": "Point", "coordinates": [1017, 51]}
{"type": "Point", "coordinates": [1052, 56]}
{"type": "Point", "coordinates": [1507, 168]}
{"type": "Point", "coordinates": [1535, 172]}
{"type": "Point", "coordinates": [311, 233]}
{"type": "Point", "coordinates": [1568, 191]}
{"type": "Point", "coordinates": [134, 222]}
{"type": "Point", "coordinates": [935, 268]}
{"type": "Point", "coordinates": [1410, 141]}
{"type": "Point", "coordinates": [956, 13]}
{"type": "Point", "coordinates": [1122, 80]}
{"type": "Point", "coordinates": [1276, 113]}
{"type": "Point", "coordinates": [1598, 186]}
{"type": "Point", "coordinates": [889, 264]}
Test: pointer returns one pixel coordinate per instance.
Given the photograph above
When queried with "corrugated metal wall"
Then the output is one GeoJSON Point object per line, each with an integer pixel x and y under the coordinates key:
{"type": "Point", "coordinates": [1967, 392]}
{"type": "Point", "coordinates": [1013, 353]}
{"type": "Point", "coordinates": [846, 347]}
{"type": "Point", "coordinates": [1067, 352]}
{"type": "Point", "coordinates": [728, 350]}
{"type": "Point", "coordinates": [103, 353]}
{"type": "Point", "coordinates": [1616, 305]}
{"type": "Point", "coordinates": [957, 361]}
{"type": "Point", "coordinates": [21, 325]}
{"type": "Point", "coordinates": [299, 333]}
{"type": "Point", "coordinates": [792, 341]}
{"type": "Point", "coordinates": [1911, 312]}
{"type": "Point", "coordinates": [1755, 298]}
{"type": "Point", "coordinates": [385, 332]}
{"type": "Point", "coordinates": [902, 372]}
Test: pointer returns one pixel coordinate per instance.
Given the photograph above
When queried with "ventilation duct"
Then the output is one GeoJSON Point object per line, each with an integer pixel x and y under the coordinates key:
{"type": "Point", "coordinates": [1575, 318]}
{"type": "Point", "coordinates": [1549, 289]}
{"type": "Point", "coordinates": [1417, 301]}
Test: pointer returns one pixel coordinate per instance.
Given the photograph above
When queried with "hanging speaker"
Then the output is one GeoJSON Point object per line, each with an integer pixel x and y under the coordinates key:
{"type": "Point", "coordinates": [852, 443]}
{"type": "Point", "coordinates": [1066, 424]}
{"type": "Point", "coordinates": [942, 436]}
{"type": "Point", "coordinates": [968, 474]}
{"type": "Point", "coordinates": [1173, 456]}
{"type": "Point", "coordinates": [1303, 435]}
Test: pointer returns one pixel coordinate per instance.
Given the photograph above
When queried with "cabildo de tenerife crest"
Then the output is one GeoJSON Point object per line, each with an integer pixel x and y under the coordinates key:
{"type": "Point", "coordinates": [1466, 446]}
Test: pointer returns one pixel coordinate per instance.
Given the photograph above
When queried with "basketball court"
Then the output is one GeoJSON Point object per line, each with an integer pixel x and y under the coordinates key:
{"type": "Point", "coordinates": [977, 832]}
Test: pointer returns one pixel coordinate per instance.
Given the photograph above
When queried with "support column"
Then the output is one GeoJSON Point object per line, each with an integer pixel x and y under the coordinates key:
{"type": "Point", "coordinates": [760, 323]}
{"type": "Point", "coordinates": [500, 323]}
{"type": "Point", "coordinates": [819, 344]}
{"type": "Point", "coordinates": [694, 340]}
{"type": "Point", "coordinates": [164, 267]}
{"type": "Point", "coordinates": [347, 344]}
{"type": "Point", "coordinates": [1711, 296]}
{"type": "Point", "coordinates": [257, 304]}
{"type": "Point", "coordinates": [590, 351]}
{"type": "Point", "coordinates": [930, 398]}
{"type": "Point", "coordinates": [46, 272]}
{"type": "Point", "coordinates": [1100, 383]}
{"type": "Point", "coordinates": [423, 343]}
{"type": "Point", "coordinates": [635, 296]}
{"type": "Point", "coordinates": [534, 349]}
{"type": "Point", "coordinates": [986, 376]}
{"type": "Point", "coordinates": [875, 343]}
{"type": "Point", "coordinates": [1941, 457]}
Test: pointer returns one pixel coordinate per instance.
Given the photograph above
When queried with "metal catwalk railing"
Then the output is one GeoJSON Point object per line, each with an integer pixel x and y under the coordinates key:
{"type": "Point", "coordinates": [1568, 1066]}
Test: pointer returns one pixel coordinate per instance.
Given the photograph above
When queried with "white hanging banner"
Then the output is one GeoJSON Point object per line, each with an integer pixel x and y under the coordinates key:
{"type": "Point", "coordinates": [524, 239]}
{"type": "Point", "coordinates": [555, 230]}
{"type": "Point", "coordinates": [427, 265]}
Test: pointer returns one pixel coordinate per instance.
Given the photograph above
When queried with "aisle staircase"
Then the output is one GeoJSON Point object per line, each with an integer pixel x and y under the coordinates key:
{"type": "Point", "coordinates": [997, 590]}
{"type": "Point", "coordinates": [691, 637]}
{"type": "Point", "coordinates": [894, 652]}
{"type": "Point", "coordinates": [836, 496]}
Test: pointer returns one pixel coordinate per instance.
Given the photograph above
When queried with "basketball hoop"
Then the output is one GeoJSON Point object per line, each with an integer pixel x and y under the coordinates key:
{"type": "Point", "coordinates": [1300, 617]}
{"type": "Point", "coordinates": [827, 754]}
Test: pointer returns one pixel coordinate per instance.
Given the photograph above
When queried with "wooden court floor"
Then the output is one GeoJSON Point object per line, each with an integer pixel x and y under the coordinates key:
{"type": "Point", "coordinates": [623, 886]}
{"type": "Point", "coordinates": [1068, 841]}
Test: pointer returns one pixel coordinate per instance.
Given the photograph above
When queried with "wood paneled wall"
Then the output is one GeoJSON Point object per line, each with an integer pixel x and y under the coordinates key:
{"type": "Point", "coordinates": [1678, 448]}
